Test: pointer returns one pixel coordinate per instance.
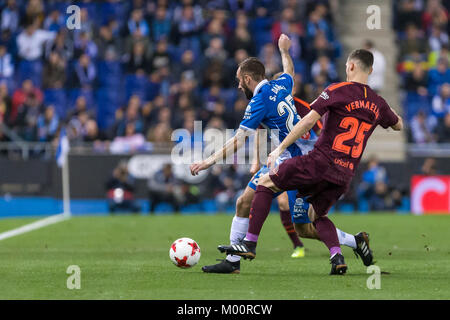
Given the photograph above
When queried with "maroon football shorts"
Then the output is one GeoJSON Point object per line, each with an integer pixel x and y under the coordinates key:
{"type": "Point", "coordinates": [305, 173]}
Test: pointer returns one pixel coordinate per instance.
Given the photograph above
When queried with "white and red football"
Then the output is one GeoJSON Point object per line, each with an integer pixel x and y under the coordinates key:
{"type": "Point", "coordinates": [184, 253]}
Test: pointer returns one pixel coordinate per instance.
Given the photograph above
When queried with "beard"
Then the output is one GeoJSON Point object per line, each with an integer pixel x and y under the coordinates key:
{"type": "Point", "coordinates": [248, 93]}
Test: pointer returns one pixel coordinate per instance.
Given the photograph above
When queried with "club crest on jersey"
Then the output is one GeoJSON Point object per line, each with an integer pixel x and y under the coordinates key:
{"type": "Point", "coordinates": [300, 207]}
{"type": "Point", "coordinates": [324, 95]}
{"type": "Point", "coordinates": [248, 112]}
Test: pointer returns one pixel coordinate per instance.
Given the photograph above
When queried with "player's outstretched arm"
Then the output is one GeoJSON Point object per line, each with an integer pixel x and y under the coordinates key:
{"type": "Point", "coordinates": [284, 43]}
{"type": "Point", "coordinates": [256, 159]}
{"type": "Point", "coordinates": [230, 147]}
{"type": "Point", "coordinates": [399, 125]}
{"type": "Point", "coordinates": [299, 130]}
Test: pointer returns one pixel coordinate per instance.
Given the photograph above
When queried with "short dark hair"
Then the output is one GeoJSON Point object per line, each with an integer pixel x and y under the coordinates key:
{"type": "Point", "coordinates": [364, 57]}
{"type": "Point", "coordinates": [254, 68]}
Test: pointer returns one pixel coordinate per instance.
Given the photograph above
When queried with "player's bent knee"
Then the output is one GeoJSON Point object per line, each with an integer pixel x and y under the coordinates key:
{"type": "Point", "coordinates": [301, 230]}
{"type": "Point", "coordinates": [306, 230]}
{"type": "Point", "coordinates": [242, 207]}
{"type": "Point", "coordinates": [265, 181]}
{"type": "Point", "coordinates": [283, 205]}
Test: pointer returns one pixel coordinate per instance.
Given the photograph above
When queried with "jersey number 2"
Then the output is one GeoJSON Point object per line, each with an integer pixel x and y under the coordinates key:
{"type": "Point", "coordinates": [287, 106]}
{"type": "Point", "coordinates": [356, 131]}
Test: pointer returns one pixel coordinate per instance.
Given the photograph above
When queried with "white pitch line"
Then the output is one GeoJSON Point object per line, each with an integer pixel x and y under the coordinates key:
{"type": "Point", "coordinates": [34, 225]}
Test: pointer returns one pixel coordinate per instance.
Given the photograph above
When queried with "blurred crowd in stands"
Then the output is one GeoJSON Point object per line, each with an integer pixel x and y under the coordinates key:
{"type": "Point", "coordinates": [136, 70]}
{"type": "Point", "coordinates": [422, 30]}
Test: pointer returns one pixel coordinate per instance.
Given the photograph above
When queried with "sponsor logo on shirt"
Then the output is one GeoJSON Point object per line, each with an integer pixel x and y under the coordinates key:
{"type": "Point", "coordinates": [324, 95]}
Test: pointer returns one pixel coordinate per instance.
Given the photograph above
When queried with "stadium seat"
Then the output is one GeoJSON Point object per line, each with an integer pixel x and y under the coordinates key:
{"type": "Point", "coordinates": [135, 85]}
{"type": "Point", "coordinates": [57, 98]}
{"type": "Point", "coordinates": [30, 70]}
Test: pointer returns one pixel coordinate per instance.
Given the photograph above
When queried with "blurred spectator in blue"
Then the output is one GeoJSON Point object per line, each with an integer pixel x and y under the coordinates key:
{"type": "Point", "coordinates": [291, 27]}
{"type": "Point", "coordinates": [76, 128]}
{"type": "Point", "coordinates": [87, 24]}
{"type": "Point", "coordinates": [215, 52]}
{"type": "Point", "coordinates": [137, 22]}
{"type": "Point", "coordinates": [228, 187]}
{"type": "Point", "coordinates": [373, 181]}
{"type": "Point", "coordinates": [6, 66]}
{"type": "Point", "coordinates": [214, 29]}
{"type": "Point", "coordinates": [161, 57]}
{"type": "Point", "coordinates": [80, 106]}
{"type": "Point", "coordinates": [85, 73]}
{"type": "Point", "coordinates": [62, 44]}
{"type": "Point", "coordinates": [132, 115]}
{"type": "Point", "coordinates": [163, 187]}
{"type": "Point", "coordinates": [241, 39]}
{"type": "Point", "coordinates": [443, 129]}
{"type": "Point", "coordinates": [215, 58]}
{"type": "Point", "coordinates": [92, 134]}
{"type": "Point", "coordinates": [441, 102]}
{"type": "Point", "coordinates": [271, 59]}
{"type": "Point", "coordinates": [186, 32]}
{"type": "Point", "coordinates": [260, 27]}
{"type": "Point", "coordinates": [120, 190]}
{"type": "Point", "coordinates": [138, 62]}
{"type": "Point", "coordinates": [130, 142]}
{"type": "Point", "coordinates": [189, 65]}
{"type": "Point", "coordinates": [161, 24]}
{"type": "Point", "coordinates": [10, 17]}
{"type": "Point", "coordinates": [317, 23]}
{"type": "Point", "coordinates": [319, 84]}
{"type": "Point", "coordinates": [107, 42]}
{"type": "Point", "coordinates": [54, 21]}
{"type": "Point", "coordinates": [437, 38]}
{"type": "Point", "coordinates": [298, 7]}
{"type": "Point", "coordinates": [85, 45]}
{"type": "Point", "coordinates": [320, 47]}
{"type": "Point", "coordinates": [438, 76]}
{"type": "Point", "coordinates": [421, 128]}
{"type": "Point", "coordinates": [27, 117]}
{"type": "Point", "coordinates": [231, 65]}
{"type": "Point", "coordinates": [240, 5]}
{"type": "Point", "coordinates": [47, 125]}
{"type": "Point", "coordinates": [324, 66]}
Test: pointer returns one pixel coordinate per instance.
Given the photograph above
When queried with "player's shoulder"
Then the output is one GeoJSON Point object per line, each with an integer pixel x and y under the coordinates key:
{"type": "Point", "coordinates": [283, 77]}
{"type": "Point", "coordinates": [283, 80]}
{"type": "Point", "coordinates": [378, 97]}
{"type": "Point", "coordinates": [337, 86]}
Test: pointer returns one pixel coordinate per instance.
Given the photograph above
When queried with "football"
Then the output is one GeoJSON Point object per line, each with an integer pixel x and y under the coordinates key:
{"type": "Point", "coordinates": [184, 253]}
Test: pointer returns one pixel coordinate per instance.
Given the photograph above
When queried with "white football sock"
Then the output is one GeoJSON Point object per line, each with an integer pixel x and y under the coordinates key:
{"type": "Point", "coordinates": [346, 239]}
{"type": "Point", "coordinates": [239, 228]}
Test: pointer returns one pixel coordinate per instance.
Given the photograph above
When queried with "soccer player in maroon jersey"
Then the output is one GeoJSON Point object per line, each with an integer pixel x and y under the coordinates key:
{"type": "Point", "coordinates": [324, 175]}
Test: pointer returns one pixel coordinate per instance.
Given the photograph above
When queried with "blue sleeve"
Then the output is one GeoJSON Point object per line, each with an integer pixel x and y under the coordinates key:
{"type": "Point", "coordinates": [286, 81]}
{"type": "Point", "coordinates": [254, 114]}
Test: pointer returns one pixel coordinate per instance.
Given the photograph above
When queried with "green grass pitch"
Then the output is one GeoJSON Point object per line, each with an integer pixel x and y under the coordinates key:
{"type": "Point", "coordinates": [126, 257]}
